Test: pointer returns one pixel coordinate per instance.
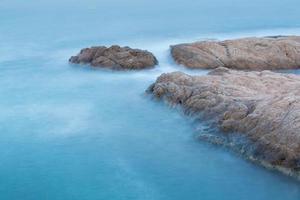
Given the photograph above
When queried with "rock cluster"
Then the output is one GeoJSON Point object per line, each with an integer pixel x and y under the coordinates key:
{"type": "Point", "coordinates": [264, 107]}
{"type": "Point", "coordinates": [115, 57]}
{"type": "Point", "coordinates": [268, 53]}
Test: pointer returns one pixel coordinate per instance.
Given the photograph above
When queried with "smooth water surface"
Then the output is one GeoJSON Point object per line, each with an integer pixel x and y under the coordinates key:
{"type": "Point", "coordinates": [75, 133]}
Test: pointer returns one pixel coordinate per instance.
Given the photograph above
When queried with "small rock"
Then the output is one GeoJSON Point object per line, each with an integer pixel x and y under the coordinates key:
{"type": "Point", "coordinates": [115, 57]}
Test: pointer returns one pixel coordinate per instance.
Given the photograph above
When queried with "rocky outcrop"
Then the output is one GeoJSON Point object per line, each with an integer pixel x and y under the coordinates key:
{"type": "Point", "coordinates": [262, 107]}
{"type": "Point", "coordinates": [268, 53]}
{"type": "Point", "coordinates": [115, 57]}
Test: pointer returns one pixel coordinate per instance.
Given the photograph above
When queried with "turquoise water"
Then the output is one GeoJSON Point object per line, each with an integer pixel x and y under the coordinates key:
{"type": "Point", "coordinates": [71, 132]}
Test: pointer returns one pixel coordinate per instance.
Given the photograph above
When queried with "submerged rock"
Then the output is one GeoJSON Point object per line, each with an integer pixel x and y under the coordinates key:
{"type": "Point", "coordinates": [263, 107]}
{"type": "Point", "coordinates": [115, 57]}
{"type": "Point", "coordinates": [277, 52]}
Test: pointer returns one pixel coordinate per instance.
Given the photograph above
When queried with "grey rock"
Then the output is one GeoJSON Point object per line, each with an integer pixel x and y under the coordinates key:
{"type": "Point", "coordinates": [267, 53]}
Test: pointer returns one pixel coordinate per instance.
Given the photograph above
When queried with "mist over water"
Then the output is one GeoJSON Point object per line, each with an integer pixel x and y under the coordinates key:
{"type": "Point", "coordinates": [72, 132]}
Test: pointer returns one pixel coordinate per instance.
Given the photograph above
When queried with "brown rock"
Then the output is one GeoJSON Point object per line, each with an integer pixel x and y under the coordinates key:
{"type": "Point", "coordinates": [271, 53]}
{"type": "Point", "coordinates": [115, 57]}
{"type": "Point", "coordinates": [263, 107]}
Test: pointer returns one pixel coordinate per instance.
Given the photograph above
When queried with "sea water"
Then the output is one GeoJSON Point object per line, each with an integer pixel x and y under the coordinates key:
{"type": "Point", "coordinates": [72, 132]}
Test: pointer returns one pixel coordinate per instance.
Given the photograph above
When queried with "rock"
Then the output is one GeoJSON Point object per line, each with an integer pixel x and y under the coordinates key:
{"type": "Point", "coordinates": [267, 53]}
{"type": "Point", "coordinates": [263, 107]}
{"type": "Point", "coordinates": [115, 57]}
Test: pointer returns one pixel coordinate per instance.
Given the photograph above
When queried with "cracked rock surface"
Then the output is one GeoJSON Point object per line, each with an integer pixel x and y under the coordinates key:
{"type": "Point", "coordinates": [267, 53]}
{"type": "Point", "coordinates": [262, 106]}
{"type": "Point", "coordinates": [115, 57]}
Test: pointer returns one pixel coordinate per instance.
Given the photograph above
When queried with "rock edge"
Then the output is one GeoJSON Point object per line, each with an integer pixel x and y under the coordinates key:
{"type": "Point", "coordinates": [263, 107]}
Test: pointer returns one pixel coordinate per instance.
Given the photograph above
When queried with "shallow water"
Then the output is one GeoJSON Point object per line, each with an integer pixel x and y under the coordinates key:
{"type": "Point", "coordinates": [73, 132]}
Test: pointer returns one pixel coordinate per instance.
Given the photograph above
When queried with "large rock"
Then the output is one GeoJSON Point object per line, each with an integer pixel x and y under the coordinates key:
{"type": "Point", "coordinates": [261, 107]}
{"type": "Point", "coordinates": [115, 57]}
{"type": "Point", "coordinates": [271, 53]}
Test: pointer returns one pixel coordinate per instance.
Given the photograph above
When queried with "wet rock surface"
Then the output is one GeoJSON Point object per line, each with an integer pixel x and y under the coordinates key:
{"type": "Point", "coordinates": [263, 107]}
{"type": "Point", "coordinates": [267, 53]}
{"type": "Point", "coordinates": [115, 57]}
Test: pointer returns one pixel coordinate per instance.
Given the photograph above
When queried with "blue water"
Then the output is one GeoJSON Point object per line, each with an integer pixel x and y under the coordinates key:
{"type": "Point", "coordinates": [75, 133]}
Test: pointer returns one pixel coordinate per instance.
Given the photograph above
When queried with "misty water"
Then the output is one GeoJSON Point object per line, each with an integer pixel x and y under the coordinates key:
{"type": "Point", "coordinates": [76, 133]}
